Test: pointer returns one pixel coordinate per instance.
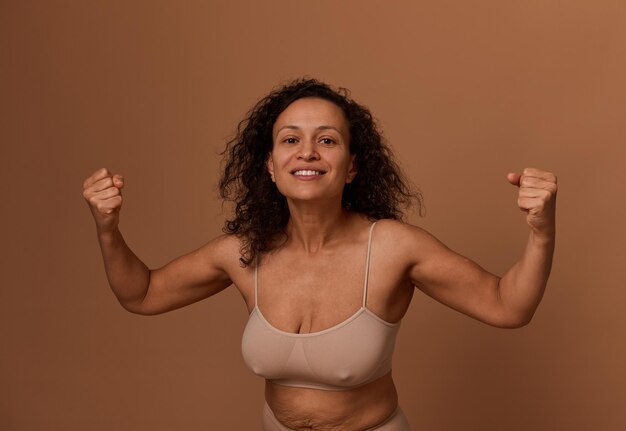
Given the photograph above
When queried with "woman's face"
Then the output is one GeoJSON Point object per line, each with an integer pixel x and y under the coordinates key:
{"type": "Point", "coordinates": [310, 158]}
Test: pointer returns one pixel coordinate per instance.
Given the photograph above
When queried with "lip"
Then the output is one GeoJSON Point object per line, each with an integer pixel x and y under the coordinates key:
{"type": "Point", "coordinates": [308, 168]}
{"type": "Point", "coordinates": [307, 174]}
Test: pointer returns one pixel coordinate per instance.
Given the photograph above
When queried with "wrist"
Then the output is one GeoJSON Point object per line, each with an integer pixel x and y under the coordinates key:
{"type": "Point", "coordinates": [544, 237]}
{"type": "Point", "coordinates": [107, 234]}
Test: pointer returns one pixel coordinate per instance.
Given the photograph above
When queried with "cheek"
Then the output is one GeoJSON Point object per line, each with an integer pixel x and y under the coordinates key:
{"type": "Point", "coordinates": [349, 162]}
{"type": "Point", "coordinates": [277, 162]}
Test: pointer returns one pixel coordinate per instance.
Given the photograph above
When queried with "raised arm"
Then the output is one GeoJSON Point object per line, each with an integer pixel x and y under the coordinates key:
{"type": "Point", "coordinates": [185, 280]}
{"type": "Point", "coordinates": [522, 286]}
{"type": "Point", "coordinates": [454, 280]}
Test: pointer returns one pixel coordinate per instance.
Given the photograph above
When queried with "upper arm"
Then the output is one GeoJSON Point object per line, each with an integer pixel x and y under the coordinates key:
{"type": "Point", "coordinates": [192, 277]}
{"type": "Point", "coordinates": [453, 279]}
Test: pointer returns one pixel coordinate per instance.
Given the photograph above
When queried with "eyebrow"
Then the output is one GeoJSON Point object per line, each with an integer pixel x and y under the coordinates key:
{"type": "Point", "coordinates": [323, 127]}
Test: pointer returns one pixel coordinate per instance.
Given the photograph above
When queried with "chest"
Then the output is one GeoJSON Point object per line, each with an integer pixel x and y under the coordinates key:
{"type": "Point", "coordinates": [301, 294]}
{"type": "Point", "coordinates": [310, 326]}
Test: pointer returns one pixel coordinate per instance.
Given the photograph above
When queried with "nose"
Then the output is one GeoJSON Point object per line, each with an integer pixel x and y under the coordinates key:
{"type": "Point", "coordinates": [308, 151]}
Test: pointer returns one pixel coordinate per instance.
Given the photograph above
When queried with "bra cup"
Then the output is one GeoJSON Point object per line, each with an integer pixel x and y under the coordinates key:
{"type": "Point", "coordinates": [264, 351]}
{"type": "Point", "coordinates": [350, 354]}
{"type": "Point", "coordinates": [354, 354]}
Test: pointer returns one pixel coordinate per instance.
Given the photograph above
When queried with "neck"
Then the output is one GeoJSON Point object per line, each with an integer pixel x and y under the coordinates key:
{"type": "Point", "coordinates": [313, 226]}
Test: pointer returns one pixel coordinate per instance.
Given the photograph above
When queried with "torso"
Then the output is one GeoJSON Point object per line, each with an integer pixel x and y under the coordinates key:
{"type": "Point", "coordinates": [309, 409]}
{"type": "Point", "coordinates": [309, 292]}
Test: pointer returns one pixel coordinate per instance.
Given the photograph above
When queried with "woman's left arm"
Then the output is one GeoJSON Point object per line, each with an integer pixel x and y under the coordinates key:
{"type": "Point", "coordinates": [522, 286]}
{"type": "Point", "coordinates": [509, 301]}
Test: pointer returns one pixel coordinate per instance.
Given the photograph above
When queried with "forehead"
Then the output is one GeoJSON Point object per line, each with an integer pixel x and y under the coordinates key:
{"type": "Point", "coordinates": [312, 112]}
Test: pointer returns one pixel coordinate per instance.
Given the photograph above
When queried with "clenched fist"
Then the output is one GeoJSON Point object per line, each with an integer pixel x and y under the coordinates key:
{"type": "Point", "coordinates": [537, 197]}
{"type": "Point", "coordinates": [103, 193]}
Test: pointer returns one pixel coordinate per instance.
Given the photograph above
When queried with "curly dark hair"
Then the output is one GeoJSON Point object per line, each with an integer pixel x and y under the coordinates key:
{"type": "Point", "coordinates": [261, 214]}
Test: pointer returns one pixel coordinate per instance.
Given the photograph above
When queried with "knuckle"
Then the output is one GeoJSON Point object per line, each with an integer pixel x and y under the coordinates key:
{"type": "Point", "coordinates": [98, 175]}
{"type": "Point", "coordinates": [545, 197]}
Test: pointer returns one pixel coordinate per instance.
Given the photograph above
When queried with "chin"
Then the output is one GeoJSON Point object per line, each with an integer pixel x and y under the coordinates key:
{"type": "Point", "coordinates": [311, 195]}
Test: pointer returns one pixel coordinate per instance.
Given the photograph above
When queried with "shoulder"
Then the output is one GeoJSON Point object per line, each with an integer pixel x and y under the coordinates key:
{"type": "Point", "coordinates": [223, 250]}
{"type": "Point", "coordinates": [405, 241]}
{"type": "Point", "coordinates": [225, 243]}
{"type": "Point", "coordinates": [400, 232]}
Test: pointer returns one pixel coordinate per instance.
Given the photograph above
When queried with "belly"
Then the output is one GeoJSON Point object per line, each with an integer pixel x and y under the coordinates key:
{"type": "Point", "coordinates": [313, 409]}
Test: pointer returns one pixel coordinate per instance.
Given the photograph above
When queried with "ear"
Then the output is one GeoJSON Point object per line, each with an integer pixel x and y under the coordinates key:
{"type": "Point", "coordinates": [270, 166]}
{"type": "Point", "coordinates": [352, 171]}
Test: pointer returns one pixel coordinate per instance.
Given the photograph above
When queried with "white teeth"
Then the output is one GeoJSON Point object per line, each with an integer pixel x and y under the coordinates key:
{"type": "Point", "coordinates": [306, 172]}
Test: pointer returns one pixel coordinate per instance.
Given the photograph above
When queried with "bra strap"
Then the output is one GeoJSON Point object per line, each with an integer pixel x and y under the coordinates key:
{"type": "Point", "coordinates": [367, 264]}
{"type": "Point", "coordinates": [256, 280]}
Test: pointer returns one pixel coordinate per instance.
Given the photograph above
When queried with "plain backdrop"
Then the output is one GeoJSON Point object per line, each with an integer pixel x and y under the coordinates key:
{"type": "Point", "coordinates": [464, 91]}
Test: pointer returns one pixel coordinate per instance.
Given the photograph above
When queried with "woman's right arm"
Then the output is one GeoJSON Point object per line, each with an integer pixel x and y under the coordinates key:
{"type": "Point", "coordinates": [185, 280]}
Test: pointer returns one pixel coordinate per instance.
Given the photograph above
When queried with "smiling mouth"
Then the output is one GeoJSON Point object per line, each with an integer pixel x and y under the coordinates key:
{"type": "Point", "coordinates": [307, 173]}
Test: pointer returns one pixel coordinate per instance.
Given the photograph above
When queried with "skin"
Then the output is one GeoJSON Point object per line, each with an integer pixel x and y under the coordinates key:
{"type": "Point", "coordinates": [312, 134]}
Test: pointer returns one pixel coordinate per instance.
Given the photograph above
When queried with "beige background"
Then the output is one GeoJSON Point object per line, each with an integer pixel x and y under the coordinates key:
{"type": "Point", "coordinates": [465, 92]}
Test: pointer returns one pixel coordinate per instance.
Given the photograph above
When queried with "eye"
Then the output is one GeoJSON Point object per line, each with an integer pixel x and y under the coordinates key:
{"type": "Point", "coordinates": [290, 140]}
{"type": "Point", "coordinates": [327, 141]}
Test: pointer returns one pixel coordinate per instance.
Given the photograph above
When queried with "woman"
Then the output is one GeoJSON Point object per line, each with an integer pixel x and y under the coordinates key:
{"type": "Point", "coordinates": [323, 261]}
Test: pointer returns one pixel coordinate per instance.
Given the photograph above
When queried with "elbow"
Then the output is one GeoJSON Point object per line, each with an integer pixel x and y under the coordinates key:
{"type": "Point", "coordinates": [512, 317]}
{"type": "Point", "coordinates": [137, 304]}
{"type": "Point", "coordinates": [525, 321]}
{"type": "Point", "coordinates": [132, 307]}
{"type": "Point", "coordinates": [136, 307]}
{"type": "Point", "coordinates": [516, 325]}
{"type": "Point", "coordinates": [516, 322]}
{"type": "Point", "coordinates": [144, 308]}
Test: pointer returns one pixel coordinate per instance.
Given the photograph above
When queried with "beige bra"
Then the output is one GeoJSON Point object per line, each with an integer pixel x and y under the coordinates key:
{"type": "Point", "coordinates": [349, 354]}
